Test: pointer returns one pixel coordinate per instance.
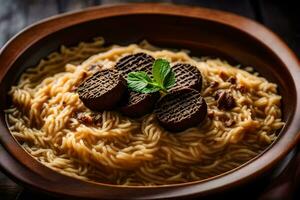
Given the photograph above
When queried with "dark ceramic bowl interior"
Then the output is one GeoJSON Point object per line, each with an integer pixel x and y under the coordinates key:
{"type": "Point", "coordinates": [205, 32]}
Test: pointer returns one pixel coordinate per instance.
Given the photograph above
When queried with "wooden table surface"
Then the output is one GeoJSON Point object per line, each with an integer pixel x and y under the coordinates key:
{"type": "Point", "coordinates": [281, 16]}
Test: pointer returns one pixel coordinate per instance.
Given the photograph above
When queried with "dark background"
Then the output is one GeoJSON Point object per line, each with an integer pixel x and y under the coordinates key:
{"type": "Point", "coordinates": [281, 16]}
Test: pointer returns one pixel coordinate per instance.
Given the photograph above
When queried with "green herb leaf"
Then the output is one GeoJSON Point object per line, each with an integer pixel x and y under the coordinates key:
{"type": "Point", "coordinates": [149, 89]}
{"type": "Point", "coordinates": [141, 82]}
{"type": "Point", "coordinates": [161, 69]}
{"type": "Point", "coordinates": [163, 78]}
{"type": "Point", "coordinates": [170, 80]}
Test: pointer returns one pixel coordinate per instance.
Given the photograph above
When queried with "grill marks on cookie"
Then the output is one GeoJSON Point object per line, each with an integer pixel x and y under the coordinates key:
{"type": "Point", "coordinates": [135, 62]}
{"type": "Point", "coordinates": [135, 97]}
{"type": "Point", "coordinates": [103, 90]}
{"type": "Point", "coordinates": [181, 109]}
{"type": "Point", "coordinates": [138, 104]}
{"type": "Point", "coordinates": [99, 83]}
{"type": "Point", "coordinates": [187, 76]}
{"type": "Point", "coordinates": [179, 106]}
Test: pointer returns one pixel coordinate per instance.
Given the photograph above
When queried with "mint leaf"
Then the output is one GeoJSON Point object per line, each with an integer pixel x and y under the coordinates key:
{"type": "Point", "coordinates": [163, 78]}
{"type": "Point", "coordinates": [170, 80]}
{"type": "Point", "coordinates": [161, 69]}
{"type": "Point", "coordinates": [141, 82]}
{"type": "Point", "coordinates": [150, 89]}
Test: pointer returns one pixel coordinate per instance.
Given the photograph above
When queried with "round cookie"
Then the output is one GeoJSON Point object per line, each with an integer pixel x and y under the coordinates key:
{"type": "Point", "coordinates": [135, 62]}
{"type": "Point", "coordinates": [181, 109]}
{"type": "Point", "coordinates": [187, 76]}
{"type": "Point", "coordinates": [138, 104]}
{"type": "Point", "coordinates": [103, 90]}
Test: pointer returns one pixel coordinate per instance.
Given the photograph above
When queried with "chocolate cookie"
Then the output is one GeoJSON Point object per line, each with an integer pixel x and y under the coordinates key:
{"type": "Point", "coordinates": [135, 62]}
{"type": "Point", "coordinates": [103, 90]}
{"type": "Point", "coordinates": [187, 76]}
{"type": "Point", "coordinates": [138, 104]}
{"type": "Point", "coordinates": [181, 109]}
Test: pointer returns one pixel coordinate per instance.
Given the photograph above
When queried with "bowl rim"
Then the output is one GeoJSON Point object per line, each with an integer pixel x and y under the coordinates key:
{"type": "Point", "coordinates": [39, 30]}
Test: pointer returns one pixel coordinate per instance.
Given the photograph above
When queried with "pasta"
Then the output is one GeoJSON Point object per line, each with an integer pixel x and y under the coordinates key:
{"type": "Point", "coordinates": [124, 151]}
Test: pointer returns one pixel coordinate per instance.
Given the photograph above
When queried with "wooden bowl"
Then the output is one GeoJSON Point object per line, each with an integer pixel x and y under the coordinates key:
{"type": "Point", "coordinates": [205, 32]}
